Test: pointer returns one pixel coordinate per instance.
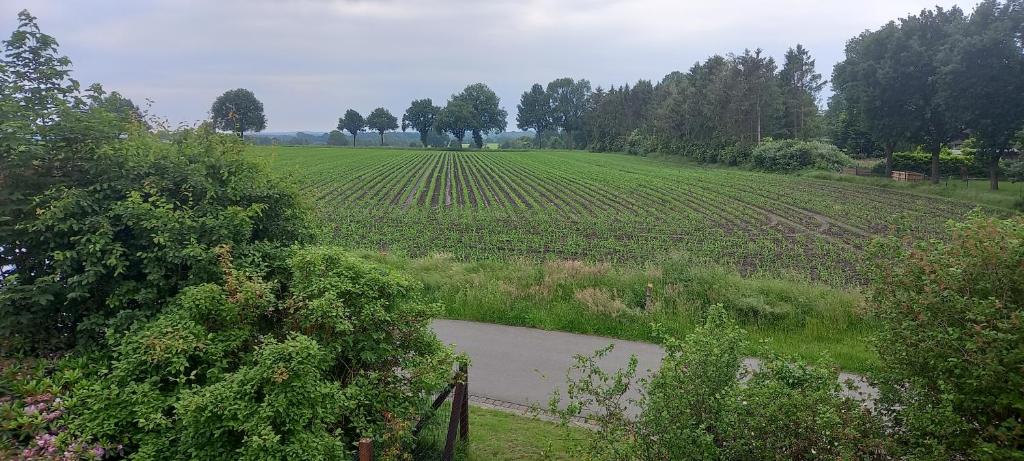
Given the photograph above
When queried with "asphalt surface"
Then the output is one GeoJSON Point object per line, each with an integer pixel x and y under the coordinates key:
{"type": "Point", "coordinates": [524, 366]}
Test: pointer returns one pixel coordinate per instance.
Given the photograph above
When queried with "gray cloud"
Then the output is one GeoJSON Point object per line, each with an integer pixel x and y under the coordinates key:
{"type": "Point", "coordinates": [310, 60]}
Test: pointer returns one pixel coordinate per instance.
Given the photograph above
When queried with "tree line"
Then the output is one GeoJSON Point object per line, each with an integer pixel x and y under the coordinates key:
{"type": "Point", "coordinates": [475, 110]}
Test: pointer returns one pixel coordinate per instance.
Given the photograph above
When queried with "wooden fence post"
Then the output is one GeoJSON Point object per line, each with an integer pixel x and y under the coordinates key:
{"type": "Point", "coordinates": [458, 420]}
{"type": "Point", "coordinates": [453, 424]}
{"type": "Point", "coordinates": [464, 404]}
{"type": "Point", "coordinates": [365, 449]}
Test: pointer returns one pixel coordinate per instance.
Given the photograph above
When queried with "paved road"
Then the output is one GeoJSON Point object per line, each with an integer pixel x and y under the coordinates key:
{"type": "Point", "coordinates": [524, 366]}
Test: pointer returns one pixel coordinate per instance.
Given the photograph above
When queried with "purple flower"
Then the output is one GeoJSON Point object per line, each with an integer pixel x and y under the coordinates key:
{"type": "Point", "coordinates": [35, 408]}
{"type": "Point", "coordinates": [45, 439]}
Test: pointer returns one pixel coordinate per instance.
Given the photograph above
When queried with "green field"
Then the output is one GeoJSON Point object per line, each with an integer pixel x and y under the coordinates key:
{"type": "Point", "coordinates": [480, 205]}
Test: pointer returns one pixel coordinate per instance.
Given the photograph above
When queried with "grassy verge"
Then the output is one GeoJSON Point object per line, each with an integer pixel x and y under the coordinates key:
{"type": "Point", "coordinates": [1010, 195]}
{"type": "Point", "coordinates": [496, 435]}
{"type": "Point", "coordinates": [785, 316]}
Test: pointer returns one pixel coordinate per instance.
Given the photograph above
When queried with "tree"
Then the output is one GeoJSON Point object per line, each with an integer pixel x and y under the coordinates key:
{"type": "Point", "coordinates": [239, 111]}
{"type": "Point", "coordinates": [456, 118]}
{"type": "Point", "coordinates": [801, 85]}
{"type": "Point", "coordinates": [868, 93]}
{"type": "Point", "coordinates": [35, 77]}
{"type": "Point", "coordinates": [155, 211]}
{"type": "Point", "coordinates": [923, 41]}
{"type": "Point", "coordinates": [420, 116]}
{"type": "Point", "coordinates": [381, 120]}
{"type": "Point", "coordinates": [353, 123]}
{"type": "Point", "coordinates": [757, 94]}
{"type": "Point", "coordinates": [889, 79]}
{"type": "Point", "coordinates": [336, 138]}
{"type": "Point", "coordinates": [122, 108]}
{"type": "Point", "coordinates": [43, 146]}
{"type": "Point", "coordinates": [570, 100]}
{"type": "Point", "coordinates": [981, 80]}
{"type": "Point", "coordinates": [846, 130]}
{"type": "Point", "coordinates": [534, 112]}
{"type": "Point", "coordinates": [484, 107]}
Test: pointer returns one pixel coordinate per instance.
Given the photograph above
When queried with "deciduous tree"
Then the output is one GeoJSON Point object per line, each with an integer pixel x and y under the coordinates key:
{"type": "Point", "coordinates": [336, 138]}
{"type": "Point", "coordinates": [420, 116]}
{"type": "Point", "coordinates": [352, 122]}
{"type": "Point", "coordinates": [456, 118]}
{"type": "Point", "coordinates": [485, 110]}
{"type": "Point", "coordinates": [570, 100]}
{"type": "Point", "coordinates": [120, 107]}
{"type": "Point", "coordinates": [239, 111]}
{"type": "Point", "coordinates": [889, 78]}
{"type": "Point", "coordinates": [534, 111]}
{"type": "Point", "coordinates": [381, 120]}
{"type": "Point", "coordinates": [982, 80]}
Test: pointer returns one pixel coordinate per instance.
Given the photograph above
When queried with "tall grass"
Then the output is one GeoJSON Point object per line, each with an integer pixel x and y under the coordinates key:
{"type": "Point", "coordinates": [788, 315]}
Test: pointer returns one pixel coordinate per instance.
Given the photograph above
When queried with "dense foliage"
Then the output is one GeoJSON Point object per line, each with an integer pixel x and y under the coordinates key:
{"type": "Point", "coordinates": [170, 261]}
{"type": "Point", "coordinates": [792, 155]}
{"type": "Point", "coordinates": [951, 340]}
{"type": "Point", "coordinates": [723, 103]}
{"type": "Point", "coordinates": [695, 408]}
{"type": "Point", "coordinates": [140, 221]}
{"type": "Point", "coordinates": [104, 220]}
{"type": "Point", "coordinates": [268, 369]}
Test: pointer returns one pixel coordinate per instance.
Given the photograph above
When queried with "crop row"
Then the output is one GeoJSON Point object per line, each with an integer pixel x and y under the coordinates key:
{"type": "Point", "coordinates": [580, 205]}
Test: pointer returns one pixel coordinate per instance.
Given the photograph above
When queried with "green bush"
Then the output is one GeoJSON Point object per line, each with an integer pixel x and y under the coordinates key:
{"type": "Point", "coordinates": [792, 155]}
{"type": "Point", "coordinates": [103, 221]}
{"type": "Point", "coordinates": [694, 407]}
{"type": "Point", "coordinates": [236, 371]}
{"type": "Point", "coordinates": [640, 143]}
{"type": "Point", "coordinates": [141, 222]}
{"type": "Point", "coordinates": [950, 164]}
{"type": "Point", "coordinates": [951, 340]}
{"type": "Point", "coordinates": [1013, 169]}
{"type": "Point", "coordinates": [735, 155]}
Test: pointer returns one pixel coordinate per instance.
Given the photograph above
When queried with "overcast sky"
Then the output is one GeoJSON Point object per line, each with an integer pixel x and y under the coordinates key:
{"type": "Point", "coordinates": [309, 61]}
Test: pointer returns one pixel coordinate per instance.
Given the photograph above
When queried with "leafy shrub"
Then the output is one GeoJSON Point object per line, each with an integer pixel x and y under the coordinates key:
{"type": "Point", "coordinates": [793, 155]}
{"type": "Point", "coordinates": [919, 161]}
{"type": "Point", "coordinates": [1013, 169]}
{"type": "Point", "coordinates": [951, 340]}
{"type": "Point", "coordinates": [142, 222]}
{"type": "Point", "coordinates": [233, 371]}
{"type": "Point", "coordinates": [640, 143]}
{"type": "Point", "coordinates": [694, 407]}
{"type": "Point", "coordinates": [101, 218]}
{"type": "Point", "coordinates": [735, 155]}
